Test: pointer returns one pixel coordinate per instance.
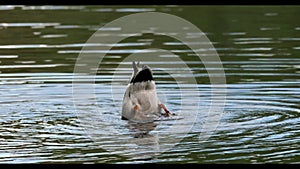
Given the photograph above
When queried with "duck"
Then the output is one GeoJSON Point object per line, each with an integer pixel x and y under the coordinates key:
{"type": "Point", "coordinates": [140, 101]}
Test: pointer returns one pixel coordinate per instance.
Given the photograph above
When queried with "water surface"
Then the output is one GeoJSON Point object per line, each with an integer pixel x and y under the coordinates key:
{"type": "Point", "coordinates": [259, 48]}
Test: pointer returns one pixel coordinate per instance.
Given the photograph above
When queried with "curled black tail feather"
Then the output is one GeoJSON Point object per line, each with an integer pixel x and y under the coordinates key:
{"type": "Point", "coordinates": [142, 76]}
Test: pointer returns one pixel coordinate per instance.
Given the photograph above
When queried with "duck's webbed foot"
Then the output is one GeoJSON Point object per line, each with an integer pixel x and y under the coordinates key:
{"type": "Point", "coordinates": [167, 112]}
{"type": "Point", "coordinates": [136, 108]}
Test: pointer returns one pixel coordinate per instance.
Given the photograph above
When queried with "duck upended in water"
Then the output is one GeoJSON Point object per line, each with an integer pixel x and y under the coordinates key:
{"type": "Point", "coordinates": [140, 102]}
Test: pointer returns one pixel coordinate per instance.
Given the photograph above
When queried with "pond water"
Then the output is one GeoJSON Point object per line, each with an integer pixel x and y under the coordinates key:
{"type": "Point", "coordinates": [259, 49]}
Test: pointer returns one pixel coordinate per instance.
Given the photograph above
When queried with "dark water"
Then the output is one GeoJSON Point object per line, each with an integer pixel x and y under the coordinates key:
{"type": "Point", "coordinates": [259, 48]}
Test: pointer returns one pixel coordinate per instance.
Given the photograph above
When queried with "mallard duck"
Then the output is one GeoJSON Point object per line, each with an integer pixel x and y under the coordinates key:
{"type": "Point", "coordinates": [140, 100]}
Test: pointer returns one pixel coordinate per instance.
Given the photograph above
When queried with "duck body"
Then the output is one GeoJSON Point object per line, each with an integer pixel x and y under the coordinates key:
{"type": "Point", "coordinates": [140, 101]}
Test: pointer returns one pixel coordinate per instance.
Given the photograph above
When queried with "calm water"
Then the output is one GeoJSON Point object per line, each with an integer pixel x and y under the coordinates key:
{"type": "Point", "coordinates": [259, 47]}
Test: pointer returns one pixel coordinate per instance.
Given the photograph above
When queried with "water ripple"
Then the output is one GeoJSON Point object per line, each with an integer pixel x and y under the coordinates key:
{"type": "Point", "coordinates": [39, 123]}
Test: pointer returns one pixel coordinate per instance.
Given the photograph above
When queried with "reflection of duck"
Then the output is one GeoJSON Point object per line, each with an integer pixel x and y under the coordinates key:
{"type": "Point", "coordinates": [142, 130]}
{"type": "Point", "coordinates": [140, 101]}
{"type": "Point", "coordinates": [145, 145]}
